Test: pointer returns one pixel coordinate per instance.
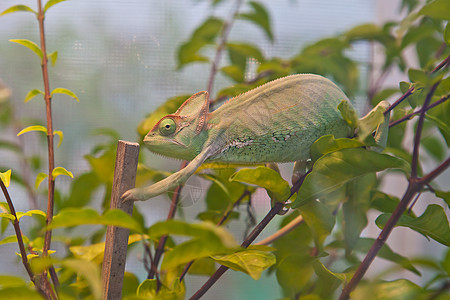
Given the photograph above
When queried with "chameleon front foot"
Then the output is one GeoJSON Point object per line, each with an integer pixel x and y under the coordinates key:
{"type": "Point", "coordinates": [136, 194]}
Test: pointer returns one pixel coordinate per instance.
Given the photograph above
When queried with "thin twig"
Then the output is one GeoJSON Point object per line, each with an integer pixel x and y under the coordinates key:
{"type": "Point", "coordinates": [415, 155]}
{"type": "Point", "coordinates": [16, 225]}
{"type": "Point", "coordinates": [417, 112]}
{"type": "Point", "coordinates": [282, 232]}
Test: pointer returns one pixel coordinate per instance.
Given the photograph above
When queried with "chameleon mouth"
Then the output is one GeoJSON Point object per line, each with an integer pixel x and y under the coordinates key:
{"type": "Point", "coordinates": [153, 142]}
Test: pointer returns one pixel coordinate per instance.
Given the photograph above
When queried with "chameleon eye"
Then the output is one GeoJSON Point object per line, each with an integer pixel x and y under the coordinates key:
{"type": "Point", "coordinates": [167, 127]}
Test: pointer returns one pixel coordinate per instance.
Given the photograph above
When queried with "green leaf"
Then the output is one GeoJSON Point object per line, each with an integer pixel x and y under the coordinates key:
{"type": "Point", "coordinates": [53, 57]}
{"type": "Point", "coordinates": [447, 34]}
{"type": "Point", "coordinates": [11, 281]}
{"type": "Point", "coordinates": [6, 177]}
{"type": "Point", "coordinates": [355, 208]}
{"type": "Point", "coordinates": [443, 195]}
{"type": "Point", "coordinates": [442, 126]}
{"type": "Point", "coordinates": [30, 45]}
{"type": "Point", "coordinates": [251, 262]}
{"type": "Point", "coordinates": [276, 186]}
{"type": "Point", "coordinates": [234, 72]}
{"type": "Point", "coordinates": [294, 271]}
{"type": "Point", "coordinates": [401, 289]}
{"type": "Point", "coordinates": [19, 293]}
{"type": "Point", "coordinates": [39, 178]}
{"type": "Point", "coordinates": [432, 223]}
{"type": "Point", "coordinates": [50, 3]}
{"type": "Point", "coordinates": [207, 240]}
{"type": "Point", "coordinates": [95, 252]}
{"type": "Point", "coordinates": [319, 219]}
{"type": "Point", "coordinates": [366, 32]}
{"type": "Point", "coordinates": [348, 113]}
{"type": "Point", "coordinates": [149, 290]}
{"type": "Point", "coordinates": [13, 239]}
{"type": "Point", "coordinates": [204, 35]}
{"type": "Point", "coordinates": [61, 171]}
{"type": "Point", "coordinates": [328, 281]}
{"type": "Point", "coordinates": [66, 92]}
{"type": "Point", "coordinates": [260, 17]}
{"type": "Point", "coordinates": [81, 190]}
{"type": "Point", "coordinates": [439, 9]}
{"type": "Point", "coordinates": [31, 94]}
{"type": "Point", "coordinates": [17, 8]}
{"type": "Point", "coordinates": [240, 53]}
{"type": "Point", "coordinates": [33, 128]}
{"type": "Point", "coordinates": [203, 266]}
{"type": "Point", "coordinates": [327, 144]}
{"type": "Point", "coordinates": [70, 217]}
{"type": "Point", "coordinates": [30, 213]}
{"type": "Point", "coordinates": [335, 169]}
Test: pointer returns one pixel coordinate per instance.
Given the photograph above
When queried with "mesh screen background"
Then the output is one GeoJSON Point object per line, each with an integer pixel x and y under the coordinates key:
{"type": "Point", "coordinates": [119, 58]}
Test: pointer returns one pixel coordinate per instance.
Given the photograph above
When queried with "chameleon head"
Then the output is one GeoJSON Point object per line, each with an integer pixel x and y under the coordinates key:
{"type": "Point", "coordinates": [179, 135]}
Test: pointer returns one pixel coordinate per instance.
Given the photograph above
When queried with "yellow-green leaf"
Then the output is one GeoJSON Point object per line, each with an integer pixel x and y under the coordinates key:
{"type": "Point", "coordinates": [61, 136]}
{"type": "Point", "coordinates": [53, 57]}
{"type": "Point", "coordinates": [66, 92]}
{"type": "Point", "coordinates": [8, 216]}
{"type": "Point", "coordinates": [33, 93]}
{"type": "Point", "coordinates": [251, 262]}
{"type": "Point", "coordinates": [33, 128]}
{"type": "Point", "coordinates": [17, 8]}
{"type": "Point", "coordinates": [30, 45]}
{"type": "Point", "coordinates": [267, 178]}
{"type": "Point", "coordinates": [39, 178]}
{"type": "Point", "coordinates": [21, 214]}
{"type": "Point", "coordinates": [61, 171]}
{"type": "Point", "coordinates": [85, 216]}
{"type": "Point", "coordinates": [6, 177]}
{"type": "Point", "coordinates": [50, 3]}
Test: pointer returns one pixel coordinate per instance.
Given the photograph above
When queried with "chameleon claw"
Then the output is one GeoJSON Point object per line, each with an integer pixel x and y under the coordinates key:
{"type": "Point", "coordinates": [132, 195]}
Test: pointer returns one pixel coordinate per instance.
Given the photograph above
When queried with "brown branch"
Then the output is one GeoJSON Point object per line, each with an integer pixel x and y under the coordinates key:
{"type": "Point", "coordinates": [399, 100]}
{"type": "Point", "coordinates": [415, 155]}
{"type": "Point", "coordinates": [250, 238]}
{"type": "Point", "coordinates": [414, 186]}
{"type": "Point", "coordinates": [417, 112]}
{"type": "Point", "coordinates": [282, 232]}
{"type": "Point", "coordinates": [16, 225]}
{"type": "Point", "coordinates": [223, 40]}
{"type": "Point", "coordinates": [443, 64]}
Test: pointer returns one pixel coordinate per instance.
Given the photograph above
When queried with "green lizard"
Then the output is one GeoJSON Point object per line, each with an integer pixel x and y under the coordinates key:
{"type": "Point", "coordinates": [276, 122]}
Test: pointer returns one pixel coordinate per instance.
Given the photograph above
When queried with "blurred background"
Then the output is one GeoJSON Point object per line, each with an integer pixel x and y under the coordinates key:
{"type": "Point", "coordinates": [119, 57]}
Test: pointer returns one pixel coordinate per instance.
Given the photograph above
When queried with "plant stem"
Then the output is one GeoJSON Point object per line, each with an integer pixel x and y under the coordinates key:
{"type": "Point", "coordinates": [50, 144]}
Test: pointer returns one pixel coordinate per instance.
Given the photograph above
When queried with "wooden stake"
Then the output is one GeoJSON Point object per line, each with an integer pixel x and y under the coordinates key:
{"type": "Point", "coordinates": [116, 243]}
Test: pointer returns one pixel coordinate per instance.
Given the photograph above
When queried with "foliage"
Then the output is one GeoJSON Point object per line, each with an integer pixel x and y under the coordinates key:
{"type": "Point", "coordinates": [322, 253]}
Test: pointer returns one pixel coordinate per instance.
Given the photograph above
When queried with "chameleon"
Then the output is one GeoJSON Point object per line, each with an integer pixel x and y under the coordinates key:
{"type": "Point", "coordinates": [274, 123]}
